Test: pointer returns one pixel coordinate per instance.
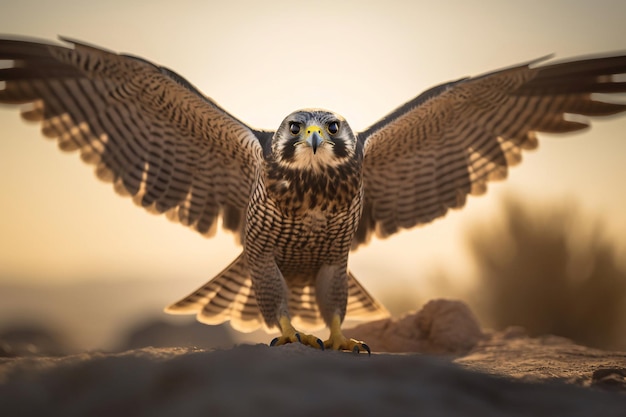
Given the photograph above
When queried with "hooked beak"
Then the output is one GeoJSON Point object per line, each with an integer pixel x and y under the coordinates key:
{"type": "Point", "coordinates": [314, 138]}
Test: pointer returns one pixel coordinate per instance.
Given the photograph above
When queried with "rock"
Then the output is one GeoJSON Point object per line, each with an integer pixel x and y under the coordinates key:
{"type": "Point", "coordinates": [160, 333]}
{"type": "Point", "coordinates": [279, 381]}
{"type": "Point", "coordinates": [546, 358]}
{"type": "Point", "coordinates": [609, 379]}
{"type": "Point", "coordinates": [32, 340]}
{"type": "Point", "coordinates": [441, 327]}
{"type": "Point", "coordinates": [476, 374]}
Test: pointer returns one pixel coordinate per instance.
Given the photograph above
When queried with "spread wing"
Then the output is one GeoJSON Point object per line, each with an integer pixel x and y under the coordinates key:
{"type": "Point", "coordinates": [428, 155]}
{"type": "Point", "coordinates": [146, 129]}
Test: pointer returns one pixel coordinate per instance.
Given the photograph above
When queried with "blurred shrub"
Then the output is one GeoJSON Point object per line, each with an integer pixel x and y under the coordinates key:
{"type": "Point", "coordinates": [550, 270]}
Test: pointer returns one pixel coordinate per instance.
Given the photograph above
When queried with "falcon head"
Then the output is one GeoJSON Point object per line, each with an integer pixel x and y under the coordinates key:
{"type": "Point", "coordinates": [313, 140]}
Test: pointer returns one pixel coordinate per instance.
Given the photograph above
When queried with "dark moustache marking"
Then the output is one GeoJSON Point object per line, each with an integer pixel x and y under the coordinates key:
{"type": "Point", "coordinates": [289, 150]}
{"type": "Point", "coordinates": [340, 149]}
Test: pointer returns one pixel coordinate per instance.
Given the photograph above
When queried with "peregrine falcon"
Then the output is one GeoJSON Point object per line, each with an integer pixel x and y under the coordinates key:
{"type": "Point", "coordinates": [299, 198]}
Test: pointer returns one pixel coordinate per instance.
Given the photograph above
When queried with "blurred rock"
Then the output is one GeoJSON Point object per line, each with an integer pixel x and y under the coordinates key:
{"type": "Point", "coordinates": [441, 327]}
{"type": "Point", "coordinates": [160, 333]}
{"type": "Point", "coordinates": [32, 340]}
{"type": "Point", "coordinates": [611, 379]}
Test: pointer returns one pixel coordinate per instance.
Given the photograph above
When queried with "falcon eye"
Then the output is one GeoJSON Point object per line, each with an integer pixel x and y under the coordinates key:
{"type": "Point", "coordinates": [294, 128]}
{"type": "Point", "coordinates": [333, 128]}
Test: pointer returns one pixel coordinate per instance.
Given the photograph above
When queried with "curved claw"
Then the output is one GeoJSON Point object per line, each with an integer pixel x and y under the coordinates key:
{"type": "Point", "coordinates": [351, 345]}
{"type": "Point", "coordinates": [337, 340]}
{"type": "Point", "coordinates": [297, 337]}
{"type": "Point", "coordinates": [363, 346]}
{"type": "Point", "coordinates": [319, 342]}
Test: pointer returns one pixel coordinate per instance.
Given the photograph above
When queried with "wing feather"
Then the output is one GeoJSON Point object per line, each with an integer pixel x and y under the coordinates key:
{"type": "Point", "coordinates": [144, 128]}
{"type": "Point", "coordinates": [425, 157]}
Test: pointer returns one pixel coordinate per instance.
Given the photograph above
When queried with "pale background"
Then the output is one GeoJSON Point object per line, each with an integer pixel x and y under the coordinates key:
{"type": "Point", "coordinates": [261, 61]}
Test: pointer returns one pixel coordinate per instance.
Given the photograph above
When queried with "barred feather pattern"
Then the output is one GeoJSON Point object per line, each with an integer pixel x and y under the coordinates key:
{"type": "Point", "coordinates": [230, 296]}
{"type": "Point", "coordinates": [291, 237]}
{"type": "Point", "coordinates": [144, 129]}
{"type": "Point", "coordinates": [426, 157]}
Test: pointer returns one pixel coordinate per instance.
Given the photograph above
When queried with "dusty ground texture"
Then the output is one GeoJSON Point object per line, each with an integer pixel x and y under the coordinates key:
{"type": "Point", "coordinates": [449, 328]}
{"type": "Point", "coordinates": [475, 374]}
{"type": "Point", "coordinates": [549, 358]}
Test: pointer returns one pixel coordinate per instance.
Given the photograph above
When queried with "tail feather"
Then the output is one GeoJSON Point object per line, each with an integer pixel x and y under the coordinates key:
{"type": "Point", "coordinates": [228, 296]}
{"type": "Point", "coordinates": [303, 308]}
{"type": "Point", "coordinates": [361, 305]}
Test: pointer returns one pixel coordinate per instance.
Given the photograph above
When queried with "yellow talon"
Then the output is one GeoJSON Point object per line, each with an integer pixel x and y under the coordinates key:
{"type": "Point", "coordinates": [291, 335]}
{"type": "Point", "coordinates": [338, 341]}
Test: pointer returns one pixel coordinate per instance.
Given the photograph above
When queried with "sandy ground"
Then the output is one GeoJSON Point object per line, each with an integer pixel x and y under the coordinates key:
{"type": "Point", "coordinates": [467, 372]}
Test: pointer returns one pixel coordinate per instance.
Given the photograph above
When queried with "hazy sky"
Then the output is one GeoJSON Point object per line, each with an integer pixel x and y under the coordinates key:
{"type": "Point", "coordinates": [261, 61]}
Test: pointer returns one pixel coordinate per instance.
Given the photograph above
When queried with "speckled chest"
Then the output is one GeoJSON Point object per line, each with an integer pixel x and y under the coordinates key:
{"type": "Point", "coordinates": [303, 219]}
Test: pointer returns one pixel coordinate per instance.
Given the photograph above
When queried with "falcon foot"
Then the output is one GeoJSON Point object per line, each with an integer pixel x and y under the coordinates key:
{"type": "Point", "coordinates": [291, 335]}
{"type": "Point", "coordinates": [305, 339]}
{"type": "Point", "coordinates": [343, 343]}
{"type": "Point", "coordinates": [337, 341]}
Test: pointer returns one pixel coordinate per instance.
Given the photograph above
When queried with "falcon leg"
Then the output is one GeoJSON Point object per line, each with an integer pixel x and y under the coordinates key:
{"type": "Point", "coordinates": [291, 335]}
{"type": "Point", "coordinates": [272, 294]}
{"type": "Point", "coordinates": [332, 296]}
{"type": "Point", "coordinates": [338, 341]}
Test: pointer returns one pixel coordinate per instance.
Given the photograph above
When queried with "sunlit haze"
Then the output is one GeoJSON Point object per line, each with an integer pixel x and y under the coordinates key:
{"type": "Point", "coordinates": [263, 60]}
